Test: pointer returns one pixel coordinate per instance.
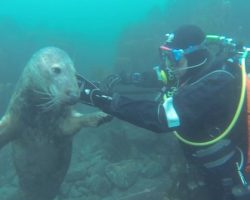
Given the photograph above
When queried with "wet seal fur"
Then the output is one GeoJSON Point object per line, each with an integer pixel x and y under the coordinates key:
{"type": "Point", "coordinates": [40, 123]}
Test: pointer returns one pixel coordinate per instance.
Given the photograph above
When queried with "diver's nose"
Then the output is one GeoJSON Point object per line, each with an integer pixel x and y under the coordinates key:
{"type": "Point", "coordinates": [73, 97]}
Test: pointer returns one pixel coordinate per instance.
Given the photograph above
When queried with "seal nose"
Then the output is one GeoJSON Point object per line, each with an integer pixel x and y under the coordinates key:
{"type": "Point", "coordinates": [73, 97]}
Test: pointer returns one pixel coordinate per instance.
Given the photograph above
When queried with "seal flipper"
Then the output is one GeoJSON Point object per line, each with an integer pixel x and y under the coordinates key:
{"type": "Point", "coordinates": [7, 130]}
{"type": "Point", "coordinates": [76, 121]}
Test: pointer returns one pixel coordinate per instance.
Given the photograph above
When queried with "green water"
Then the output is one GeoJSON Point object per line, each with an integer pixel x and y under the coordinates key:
{"type": "Point", "coordinates": [102, 37]}
{"type": "Point", "coordinates": [97, 20]}
{"type": "Point", "coordinates": [87, 29]}
{"type": "Point", "coordinates": [94, 32]}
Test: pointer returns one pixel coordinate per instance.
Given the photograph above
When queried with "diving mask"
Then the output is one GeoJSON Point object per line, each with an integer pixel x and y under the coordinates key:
{"type": "Point", "coordinates": [175, 55]}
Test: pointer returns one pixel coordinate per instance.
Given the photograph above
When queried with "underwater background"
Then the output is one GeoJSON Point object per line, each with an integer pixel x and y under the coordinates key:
{"type": "Point", "coordinates": [105, 37]}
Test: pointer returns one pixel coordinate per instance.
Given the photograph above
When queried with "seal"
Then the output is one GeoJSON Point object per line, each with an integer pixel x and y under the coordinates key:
{"type": "Point", "coordinates": [40, 123]}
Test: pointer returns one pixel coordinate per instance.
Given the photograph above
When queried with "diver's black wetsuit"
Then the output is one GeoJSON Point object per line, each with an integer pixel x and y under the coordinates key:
{"type": "Point", "coordinates": [205, 105]}
{"type": "Point", "coordinates": [205, 102]}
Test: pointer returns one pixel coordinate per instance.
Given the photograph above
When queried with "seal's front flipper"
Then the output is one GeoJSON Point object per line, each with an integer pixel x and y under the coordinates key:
{"type": "Point", "coordinates": [7, 130]}
{"type": "Point", "coordinates": [72, 125]}
{"type": "Point", "coordinates": [95, 119]}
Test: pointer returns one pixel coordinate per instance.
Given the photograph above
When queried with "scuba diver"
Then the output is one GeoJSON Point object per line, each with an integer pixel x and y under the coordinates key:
{"type": "Point", "coordinates": [203, 102]}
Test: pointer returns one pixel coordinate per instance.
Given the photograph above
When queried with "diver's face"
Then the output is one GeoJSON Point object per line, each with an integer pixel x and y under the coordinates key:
{"type": "Point", "coordinates": [178, 68]}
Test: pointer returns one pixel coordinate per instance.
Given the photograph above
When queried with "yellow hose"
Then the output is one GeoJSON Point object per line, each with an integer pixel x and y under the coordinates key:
{"type": "Point", "coordinates": [235, 118]}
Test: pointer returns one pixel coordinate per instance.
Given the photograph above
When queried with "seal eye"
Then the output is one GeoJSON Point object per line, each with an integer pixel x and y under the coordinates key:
{"type": "Point", "coordinates": [56, 70]}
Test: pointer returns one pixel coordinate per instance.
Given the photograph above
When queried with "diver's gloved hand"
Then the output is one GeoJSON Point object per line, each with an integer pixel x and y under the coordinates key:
{"type": "Point", "coordinates": [100, 99]}
{"type": "Point", "coordinates": [91, 94]}
{"type": "Point", "coordinates": [95, 97]}
{"type": "Point", "coordinates": [108, 84]}
{"type": "Point", "coordinates": [125, 78]}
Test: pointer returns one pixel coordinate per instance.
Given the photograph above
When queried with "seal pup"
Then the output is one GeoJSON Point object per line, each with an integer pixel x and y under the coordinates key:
{"type": "Point", "coordinates": [40, 123]}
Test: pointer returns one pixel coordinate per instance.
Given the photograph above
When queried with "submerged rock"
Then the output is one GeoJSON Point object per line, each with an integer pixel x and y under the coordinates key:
{"type": "Point", "coordinates": [123, 174]}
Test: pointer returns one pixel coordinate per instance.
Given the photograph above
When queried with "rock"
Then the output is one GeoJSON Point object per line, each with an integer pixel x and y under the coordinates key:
{"type": "Point", "coordinates": [6, 191]}
{"type": "Point", "coordinates": [99, 185]}
{"type": "Point", "coordinates": [79, 172]}
{"type": "Point", "coordinates": [65, 189]}
{"type": "Point", "coordinates": [108, 198]}
{"type": "Point", "coordinates": [151, 169]}
{"type": "Point", "coordinates": [75, 192]}
{"type": "Point", "coordinates": [98, 167]}
{"type": "Point", "coordinates": [123, 174]}
{"type": "Point", "coordinates": [146, 189]}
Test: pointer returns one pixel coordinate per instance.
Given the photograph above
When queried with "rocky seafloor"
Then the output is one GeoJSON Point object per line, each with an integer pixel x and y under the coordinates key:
{"type": "Point", "coordinates": [119, 161]}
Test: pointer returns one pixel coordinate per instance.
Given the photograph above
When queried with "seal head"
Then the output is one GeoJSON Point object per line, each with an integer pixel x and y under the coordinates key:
{"type": "Point", "coordinates": [51, 73]}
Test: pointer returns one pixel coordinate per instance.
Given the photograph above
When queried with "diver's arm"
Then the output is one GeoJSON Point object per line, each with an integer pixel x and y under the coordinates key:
{"type": "Point", "coordinates": [154, 78]}
{"type": "Point", "coordinates": [146, 114]}
{"type": "Point", "coordinates": [147, 79]}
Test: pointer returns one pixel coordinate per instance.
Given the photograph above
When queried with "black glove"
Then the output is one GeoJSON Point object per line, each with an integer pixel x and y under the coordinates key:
{"type": "Point", "coordinates": [126, 78]}
{"type": "Point", "coordinates": [91, 94]}
{"type": "Point", "coordinates": [96, 98]}
{"type": "Point", "coordinates": [108, 84]}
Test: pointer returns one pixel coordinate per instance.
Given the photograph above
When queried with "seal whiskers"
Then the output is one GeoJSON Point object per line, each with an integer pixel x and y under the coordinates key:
{"type": "Point", "coordinates": [48, 101]}
{"type": "Point", "coordinates": [47, 106]}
